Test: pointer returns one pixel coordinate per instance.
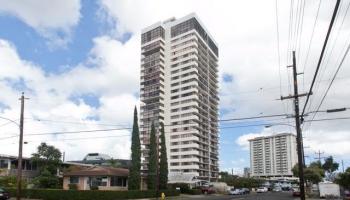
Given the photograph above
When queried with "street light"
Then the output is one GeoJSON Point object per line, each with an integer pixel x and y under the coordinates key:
{"type": "Point", "coordinates": [270, 125]}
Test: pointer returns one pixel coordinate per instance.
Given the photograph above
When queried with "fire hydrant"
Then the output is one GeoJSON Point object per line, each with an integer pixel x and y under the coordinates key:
{"type": "Point", "coordinates": [163, 196]}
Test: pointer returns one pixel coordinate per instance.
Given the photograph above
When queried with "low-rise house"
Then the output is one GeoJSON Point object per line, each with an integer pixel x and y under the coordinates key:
{"type": "Point", "coordinates": [9, 165]}
{"type": "Point", "coordinates": [105, 178]}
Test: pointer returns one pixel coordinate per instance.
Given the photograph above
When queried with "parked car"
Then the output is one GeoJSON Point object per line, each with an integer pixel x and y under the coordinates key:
{"type": "Point", "coordinates": [246, 190]}
{"type": "Point", "coordinates": [236, 191]}
{"type": "Point", "coordinates": [262, 190]}
{"type": "Point", "coordinates": [296, 192]}
{"type": "Point", "coordinates": [277, 189]}
{"type": "Point", "coordinates": [4, 195]}
{"type": "Point", "coordinates": [208, 189]}
{"type": "Point", "coordinates": [347, 195]}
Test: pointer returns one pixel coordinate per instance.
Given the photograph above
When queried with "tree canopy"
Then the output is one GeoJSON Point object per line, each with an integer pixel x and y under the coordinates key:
{"type": "Point", "coordinates": [48, 159]}
{"type": "Point", "coordinates": [152, 161]}
{"type": "Point", "coordinates": [330, 166]}
{"type": "Point", "coordinates": [312, 173]}
{"type": "Point", "coordinates": [344, 179]}
{"type": "Point", "coordinates": [163, 163]}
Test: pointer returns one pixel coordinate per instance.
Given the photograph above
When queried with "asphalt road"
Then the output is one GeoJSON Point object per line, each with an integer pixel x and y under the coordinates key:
{"type": "Point", "coordinates": [252, 196]}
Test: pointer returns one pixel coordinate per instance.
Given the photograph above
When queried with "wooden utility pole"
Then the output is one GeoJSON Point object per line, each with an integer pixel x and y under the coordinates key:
{"type": "Point", "coordinates": [298, 129]}
{"type": "Point", "coordinates": [19, 163]}
{"type": "Point", "coordinates": [301, 159]}
{"type": "Point", "coordinates": [319, 153]}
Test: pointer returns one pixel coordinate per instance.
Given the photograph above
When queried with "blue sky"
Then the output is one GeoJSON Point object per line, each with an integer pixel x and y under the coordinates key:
{"type": "Point", "coordinates": [82, 65]}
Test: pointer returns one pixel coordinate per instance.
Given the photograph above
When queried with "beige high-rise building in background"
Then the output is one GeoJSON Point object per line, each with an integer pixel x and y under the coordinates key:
{"type": "Point", "coordinates": [179, 87]}
{"type": "Point", "coordinates": [273, 156]}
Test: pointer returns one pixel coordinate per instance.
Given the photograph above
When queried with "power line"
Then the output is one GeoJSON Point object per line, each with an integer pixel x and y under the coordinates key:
{"type": "Point", "coordinates": [334, 76]}
{"type": "Point", "coordinates": [301, 27]}
{"type": "Point", "coordinates": [331, 83]}
{"type": "Point", "coordinates": [254, 117]}
{"type": "Point", "coordinates": [83, 138]}
{"type": "Point", "coordinates": [321, 56]}
{"type": "Point", "coordinates": [312, 37]}
{"type": "Point", "coordinates": [329, 53]}
{"type": "Point", "coordinates": [225, 127]}
{"type": "Point", "coordinates": [76, 122]}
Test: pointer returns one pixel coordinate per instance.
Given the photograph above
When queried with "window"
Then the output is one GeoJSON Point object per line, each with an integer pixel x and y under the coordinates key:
{"type": "Point", "coordinates": [152, 34]}
{"type": "Point", "coordinates": [118, 181]}
{"type": "Point", "coordinates": [74, 179]}
{"type": "Point", "coordinates": [3, 164]}
{"type": "Point", "coordinates": [98, 181]}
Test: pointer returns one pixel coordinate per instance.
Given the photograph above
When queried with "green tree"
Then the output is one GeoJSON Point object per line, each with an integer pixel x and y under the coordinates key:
{"type": "Point", "coordinates": [163, 163]}
{"type": "Point", "coordinates": [152, 161]}
{"type": "Point", "coordinates": [344, 179]}
{"type": "Point", "coordinates": [295, 170]}
{"type": "Point", "coordinates": [113, 163]}
{"type": "Point", "coordinates": [330, 166]}
{"type": "Point", "coordinates": [134, 176]}
{"type": "Point", "coordinates": [313, 173]}
{"type": "Point", "coordinates": [48, 159]}
{"type": "Point", "coordinates": [316, 164]}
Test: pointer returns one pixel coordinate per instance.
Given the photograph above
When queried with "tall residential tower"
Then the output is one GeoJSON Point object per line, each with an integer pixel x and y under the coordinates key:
{"type": "Point", "coordinates": [273, 156]}
{"type": "Point", "coordinates": [179, 87]}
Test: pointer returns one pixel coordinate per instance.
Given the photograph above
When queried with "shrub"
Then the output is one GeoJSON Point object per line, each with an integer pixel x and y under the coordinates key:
{"type": "Point", "coordinates": [194, 191]}
{"type": "Point", "coordinates": [73, 186]}
{"type": "Point", "coordinates": [53, 194]}
{"type": "Point", "coordinates": [185, 188]}
{"type": "Point", "coordinates": [93, 187]}
{"type": "Point", "coordinates": [11, 182]}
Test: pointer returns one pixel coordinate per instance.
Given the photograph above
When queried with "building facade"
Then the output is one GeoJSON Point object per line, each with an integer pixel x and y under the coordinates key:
{"type": "Point", "coordinates": [102, 177]}
{"type": "Point", "coordinates": [273, 156]}
{"type": "Point", "coordinates": [9, 166]}
{"type": "Point", "coordinates": [179, 87]}
{"type": "Point", "coordinates": [246, 172]}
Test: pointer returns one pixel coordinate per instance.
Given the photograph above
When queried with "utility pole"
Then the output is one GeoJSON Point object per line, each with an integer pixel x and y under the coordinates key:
{"type": "Point", "coordinates": [19, 164]}
{"type": "Point", "coordinates": [319, 153]}
{"type": "Point", "coordinates": [301, 159]}
{"type": "Point", "coordinates": [342, 164]}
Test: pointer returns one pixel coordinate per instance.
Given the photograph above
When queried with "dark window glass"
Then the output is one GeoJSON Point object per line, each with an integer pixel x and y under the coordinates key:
{"type": "Point", "coordinates": [152, 34]}
{"type": "Point", "coordinates": [3, 164]}
{"type": "Point", "coordinates": [190, 25]}
{"type": "Point", "coordinates": [74, 179]}
{"type": "Point", "coordinates": [118, 181]}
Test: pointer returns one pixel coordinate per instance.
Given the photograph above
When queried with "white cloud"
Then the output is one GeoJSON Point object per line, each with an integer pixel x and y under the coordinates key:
{"type": "Point", "coordinates": [110, 73]}
{"type": "Point", "coordinates": [52, 19]}
{"type": "Point", "coordinates": [246, 34]}
{"type": "Point", "coordinates": [243, 140]}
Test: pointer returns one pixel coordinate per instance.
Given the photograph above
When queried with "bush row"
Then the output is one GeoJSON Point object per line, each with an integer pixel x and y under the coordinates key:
{"type": "Point", "coordinates": [47, 194]}
{"type": "Point", "coordinates": [184, 188]}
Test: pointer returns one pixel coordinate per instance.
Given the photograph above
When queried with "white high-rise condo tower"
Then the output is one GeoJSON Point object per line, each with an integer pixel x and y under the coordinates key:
{"type": "Point", "coordinates": [179, 87]}
{"type": "Point", "coordinates": [273, 156]}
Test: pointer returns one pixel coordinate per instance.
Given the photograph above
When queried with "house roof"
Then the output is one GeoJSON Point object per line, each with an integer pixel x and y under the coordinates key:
{"type": "Point", "coordinates": [99, 171]}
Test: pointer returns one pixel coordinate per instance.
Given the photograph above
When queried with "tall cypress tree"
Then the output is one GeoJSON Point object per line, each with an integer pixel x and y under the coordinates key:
{"type": "Point", "coordinates": [134, 172]}
{"type": "Point", "coordinates": [152, 162]}
{"type": "Point", "coordinates": [163, 163]}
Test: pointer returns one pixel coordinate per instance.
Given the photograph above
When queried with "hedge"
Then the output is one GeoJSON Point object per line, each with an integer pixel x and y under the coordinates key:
{"type": "Point", "coordinates": [185, 188]}
{"type": "Point", "coordinates": [50, 194]}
